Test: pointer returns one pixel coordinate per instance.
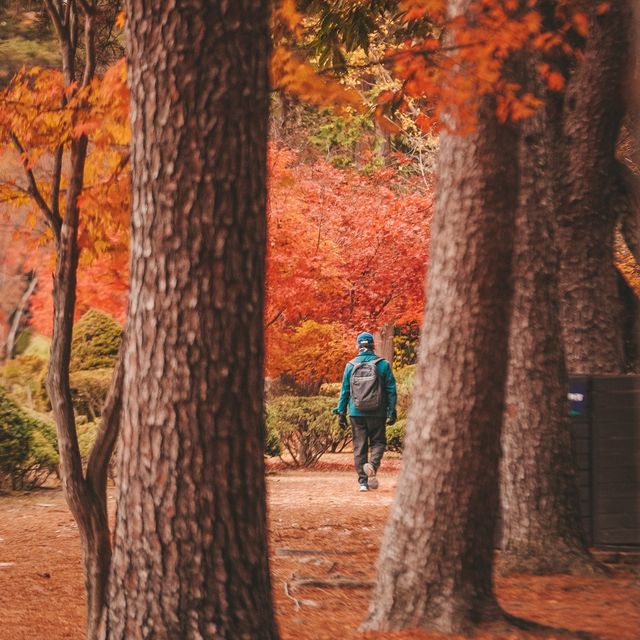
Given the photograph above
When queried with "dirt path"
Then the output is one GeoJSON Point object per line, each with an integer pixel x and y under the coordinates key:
{"type": "Point", "coordinates": [321, 528]}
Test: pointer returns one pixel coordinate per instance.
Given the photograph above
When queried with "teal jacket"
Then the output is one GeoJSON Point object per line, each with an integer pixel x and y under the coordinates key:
{"type": "Point", "coordinates": [388, 382]}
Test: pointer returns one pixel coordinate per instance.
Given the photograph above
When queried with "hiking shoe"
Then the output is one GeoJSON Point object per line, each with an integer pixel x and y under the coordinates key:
{"type": "Point", "coordinates": [369, 469]}
{"type": "Point", "coordinates": [363, 487]}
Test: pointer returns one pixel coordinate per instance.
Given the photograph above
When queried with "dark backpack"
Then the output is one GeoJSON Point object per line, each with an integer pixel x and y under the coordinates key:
{"type": "Point", "coordinates": [365, 385]}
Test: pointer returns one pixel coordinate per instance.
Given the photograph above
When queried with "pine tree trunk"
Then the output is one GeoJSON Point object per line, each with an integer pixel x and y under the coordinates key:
{"type": "Point", "coordinates": [541, 531]}
{"type": "Point", "coordinates": [190, 546]}
{"type": "Point", "coordinates": [435, 564]}
{"type": "Point", "coordinates": [594, 107]}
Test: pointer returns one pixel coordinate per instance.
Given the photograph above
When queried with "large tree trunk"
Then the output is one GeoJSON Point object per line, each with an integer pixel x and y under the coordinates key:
{"type": "Point", "coordinates": [190, 546]}
{"type": "Point", "coordinates": [435, 565]}
{"type": "Point", "coordinates": [594, 107]}
{"type": "Point", "coordinates": [541, 531]}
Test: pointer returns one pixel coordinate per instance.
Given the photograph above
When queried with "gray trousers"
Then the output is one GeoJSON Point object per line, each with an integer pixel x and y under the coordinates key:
{"type": "Point", "coordinates": [368, 432]}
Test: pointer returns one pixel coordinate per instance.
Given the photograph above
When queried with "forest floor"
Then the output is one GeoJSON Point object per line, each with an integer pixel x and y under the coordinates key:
{"type": "Point", "coordinates": [321, 529]}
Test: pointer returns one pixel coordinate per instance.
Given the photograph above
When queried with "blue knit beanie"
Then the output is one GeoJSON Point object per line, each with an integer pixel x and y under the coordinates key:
{"type": "Point", "coordinates": [365, 341]}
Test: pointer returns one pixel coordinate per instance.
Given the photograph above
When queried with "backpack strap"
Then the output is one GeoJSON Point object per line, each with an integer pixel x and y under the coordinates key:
{"type": "Point", "coordinates": [355, 361]}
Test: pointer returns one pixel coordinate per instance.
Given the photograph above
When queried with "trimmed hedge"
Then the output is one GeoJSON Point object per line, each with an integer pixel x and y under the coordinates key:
{"type": "Point", "coordinates": [305, 427]}
{"type": "Point", "coordinates": [395, 435]}
{"type": "Point", "coordinates": [28, 454]}
{"type": "Point", "coordinates": [96, 340]}
{"type": "Point", "coordinates": [272, 441]}
{"type": "Point", "coordinates": [89, 390]}
{"type": "Point", "coordinates": [87, 432]}
{"type": "Point", "coordinates": [24, 377]}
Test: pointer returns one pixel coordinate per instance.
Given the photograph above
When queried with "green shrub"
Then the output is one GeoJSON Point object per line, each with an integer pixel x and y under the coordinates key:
{"type": "Point", "coordinates": [395, 435]}
{"type": "Point", "coordinates": [39, 345]}
{"type": "Point", "coordinates": [305, 426]}
{"type": "Point", "coordinates": [272, 441]}
{"type": "Point", "coordinates": [340, 138]}
{"type": "Point", "coordinates": [24, 378]}
{"type": "Point", "coordinates": [89, 390]}
{"type": "Point", "coordinates": [27, 446]}
{"type": "Point", "coordinates": [96, 340]}
{"type": "Point", "coordinates": [404, 384]}
{"type": "Point", "coordinates": [22, 341]}
{"type": "Point", "coordinates": [29, 343]}
{"type": "Point", "coordinates": [404, 376]}
{"type": "Point", "coordinates": [15, 440]}
{"type": "Point", "coordinates": [87, 432]}
{"type": "Point", "coordinates": [405, 344]}
{"type": "Point", "coordinates": [44, 459]}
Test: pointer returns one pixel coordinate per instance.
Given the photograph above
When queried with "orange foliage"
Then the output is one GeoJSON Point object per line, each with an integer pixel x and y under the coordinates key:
{"type": "Point", "coordinates": [309, 353]}
{"type": "Point", "coordinates": [342, 248]}
{"type": "Point", "coordinates": [472, 58]}
{"type": "Point", "coordinates": [37, 115]}
{"type": "Point", "coordinates": [344, 251]}
{"type": "Point", "coordinates": [102, 284]}
{"type": "Point", "coordinates": [292, 72]}
{"type": "Point", "coordinates": [461, 59]}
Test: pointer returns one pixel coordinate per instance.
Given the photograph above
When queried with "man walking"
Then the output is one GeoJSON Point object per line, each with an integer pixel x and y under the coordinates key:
{"type": "Point", "coordinates": [369, 391]}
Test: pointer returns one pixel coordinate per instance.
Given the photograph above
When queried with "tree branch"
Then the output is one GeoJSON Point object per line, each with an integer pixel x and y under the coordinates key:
{"type": "Point", "coordinates": [88, 9]}
{"type": "Point", "coordinates": [15, 323]}
{"type": "Point", "coordinates": [55, 222]}
{"type": "Point", "coordinates": [89, 43]}
{"type": "Point", "coordinates": [56, 18]}
{"type": "Point", "coordinates": [274, 319]}
{"type": "Point", "coordinates": [55, 181]}
{"type": "Point", "coordinates": [73, 29]}
{"type": "Point", "coordinates": [67, 14]}
{"type": "Point", "coordinates": [105, 442]}
{"type": "Point", "coordinates": [392, 57]}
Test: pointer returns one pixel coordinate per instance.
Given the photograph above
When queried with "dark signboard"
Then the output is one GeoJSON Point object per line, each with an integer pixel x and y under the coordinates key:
{"type": "Point", "coordinates": [578, 397]}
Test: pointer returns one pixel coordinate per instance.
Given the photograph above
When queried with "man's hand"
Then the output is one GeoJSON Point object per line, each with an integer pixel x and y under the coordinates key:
{"type": "Point", "coordinates": [392, 418]}
{"type": "Point", "coordinates": [342, 420]}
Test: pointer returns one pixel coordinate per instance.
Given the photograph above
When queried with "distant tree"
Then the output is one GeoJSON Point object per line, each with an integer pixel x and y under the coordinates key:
{"type": "Point", "coordinates": [541, 528]}
{"type": "Point", "coordinates": [540, 511]}
{"type": "Point", "coordinates": [598, 197]}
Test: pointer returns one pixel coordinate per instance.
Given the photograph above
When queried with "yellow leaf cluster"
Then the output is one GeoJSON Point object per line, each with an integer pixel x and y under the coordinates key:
{"type": "Point", "coordinates": [291, 73]}
{"type": "Point", "coordinates": [39, 116]}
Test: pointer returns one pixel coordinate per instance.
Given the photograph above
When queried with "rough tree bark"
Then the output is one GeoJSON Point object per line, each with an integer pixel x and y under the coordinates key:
{"type": "Point", "coordinates": [190, 546]}
{"type": "Point", "coordinates": [541, 530]}
{"type": "Point", "coordinates": [594, 108]}
{"type": "Point", "coordinates": [435, 564]}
